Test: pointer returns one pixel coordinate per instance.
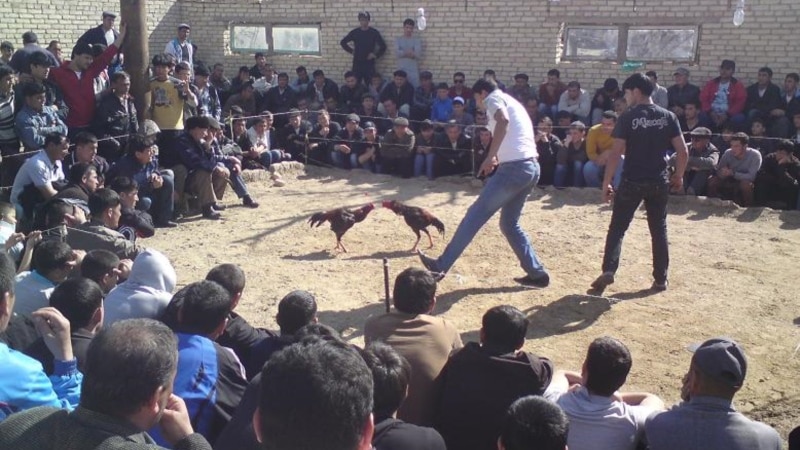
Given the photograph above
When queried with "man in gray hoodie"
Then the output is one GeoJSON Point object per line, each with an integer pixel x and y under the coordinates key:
{"type": "Point", "coordinates": [146, 292]}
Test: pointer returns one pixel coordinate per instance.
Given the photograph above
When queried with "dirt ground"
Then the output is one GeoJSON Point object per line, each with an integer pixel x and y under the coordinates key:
{"type": "Point", "coordinates": [734, 273]}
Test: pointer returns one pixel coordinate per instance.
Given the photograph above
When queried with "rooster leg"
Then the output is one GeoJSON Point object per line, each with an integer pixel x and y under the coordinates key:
{"type": "Point", "coordinates": [416, 244]}
{"type": "Point", "coordinates": [341, 245]}
{"type": "Point", "coordinates": [430, 239]}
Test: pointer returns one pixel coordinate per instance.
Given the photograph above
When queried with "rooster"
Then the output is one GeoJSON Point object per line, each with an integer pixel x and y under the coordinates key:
{"type": "Point", "coordinates": [418, 219]}
{"type": "Point", "coordinates": [341, 219]}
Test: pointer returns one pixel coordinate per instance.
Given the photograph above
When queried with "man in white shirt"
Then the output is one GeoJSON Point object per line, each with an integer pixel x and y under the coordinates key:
{"type": "Point", "coordinates": [513, 171]}
{"type": "Point", "coordinates": [41, 170]}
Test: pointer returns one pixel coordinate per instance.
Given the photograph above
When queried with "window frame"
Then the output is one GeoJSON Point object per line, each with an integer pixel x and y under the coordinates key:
{"type": "Point", "coordinates": [595, 26]}
{"type": "Point", "coordinates": [268, 30]}
{"type": "Point", "coordinates": [271, 38]}
{"type": "Point", "coordinates": [693, 58]}
{"type": "Point", "coordinates": [622, 43]}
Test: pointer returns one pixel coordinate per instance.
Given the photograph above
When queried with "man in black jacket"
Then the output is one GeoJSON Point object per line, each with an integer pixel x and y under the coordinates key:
{"type": "Point", "coordinates": [764, 102]}
{"type": "Point", "coordinates": [368, 46]}
{"type": "Point", "coordinates": [115, 117]}
{"type": "Point", "coordinates": [401, 91]}
{"type": "Point", "coordinates": [104, 34]}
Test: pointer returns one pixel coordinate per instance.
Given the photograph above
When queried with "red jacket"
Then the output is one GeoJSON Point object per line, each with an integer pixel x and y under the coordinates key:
{"type": "Point", "coordinates": [737, 96]}
{"type": "Point", "coordinates": [79, 92]}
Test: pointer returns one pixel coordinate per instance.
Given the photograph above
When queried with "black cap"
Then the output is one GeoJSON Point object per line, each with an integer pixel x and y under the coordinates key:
{"type": "Point", "coordinates": [721, 359]}
{"type": "Point", "coordinates": [82, 48]}
{"type": "Point", "coordinates": [353, 118]}
{"type": "Point", "coordinates": [364, 14]}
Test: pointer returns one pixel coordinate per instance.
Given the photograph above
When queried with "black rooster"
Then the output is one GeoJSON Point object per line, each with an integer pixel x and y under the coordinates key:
{"type": "Point", "coordinates": [341, 219]}
{"type": "Point", "coordinates": [418, 219]}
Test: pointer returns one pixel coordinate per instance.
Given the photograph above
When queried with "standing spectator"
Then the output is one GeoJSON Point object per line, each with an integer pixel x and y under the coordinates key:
{"type": "Point", "coordinates": [660, 94]}
{"type": "Point", "coordinates": [397, 150]}
{"type": "Point", "coordinates": [599, 143]}
{"type": "Point", "coordinates": [706, 418]}
{"type": "Point", "coordinates": [54, 47]}
{"type": "Point", "coordinates": [40, 69]}
{"type": "Point", "coordinates": [168, 98]}
{"type": "Point", "coordinates": [533, 423]}
{"type": "Point", "coordinates": [181, 48]}
{"type": "Point", "coordinates": [778, 180]}
{"type": "Point", "coordinates": [116, 118]}
{"type": "Point", "coordinates": [147, 291]}
{"type": "Point", "coordinates": [682, 92]}
{"type": "Point", "coordinates": [642, 133]}
{"type": "Point", "coordinates": [208, 102]}
{"type": "Point", "coordinates": [550, 93]}
{"type": "Point", "coordinates": [481, 380]}
{"type": "Point", "coordinates": [30, 44]}
{"type": "Point", "coordinates": [76, 81]}
{"type": "Point", "coordinates": [599, 415]}
{"type": "Point", "coordinates": [9, 142]}
{"type": "Point", "coordinates": [548, 146]}
{"type": "Point", "coordinates": [424, 155]}
{"type": "Point", "coordinates": [408, 52]}
{"type": "Point", "coordinates": [52, 261]}
{"type": "Point", "coordinates": [576, 101]}
{"type": "Point", "coordinates": [723, 98]}
{"type": "Point", "coordinates": [104, 34]}
{"type": "Point", "coordinates": [401, 91]}
{"type": "Point", "coordinates": [424, 340]}
{"type": "Point", "coordinates": [571, 157]}
{"type": "Point", "coordinates": [703, 158]}
{"type": "Point", "coordinates": [764, 102]}
{"type": "Point", "coordinates": [368, 46]}
{"type": "Point", "coordinates": [36, 120]}
{"type": "Point", "coordinates": [736, 172]}
{"type": "Point", "coordinates": [6, 51]}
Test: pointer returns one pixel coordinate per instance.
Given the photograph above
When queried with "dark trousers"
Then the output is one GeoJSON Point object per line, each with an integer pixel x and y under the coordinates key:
{"type": "Point", "coordinates": [364, 71]}
{"type": "Point", "coordinates": [626, 201]}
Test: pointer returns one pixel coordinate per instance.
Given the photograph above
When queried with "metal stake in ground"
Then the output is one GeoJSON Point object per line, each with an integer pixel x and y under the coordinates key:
{"type": "Point", "coordinates": [386, 299]}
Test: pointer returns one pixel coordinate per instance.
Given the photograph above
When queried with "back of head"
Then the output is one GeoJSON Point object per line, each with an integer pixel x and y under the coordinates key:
{"type": "Point", "coordinates": [51, 255]}
{"type": "Point", "coordinates": [316, 396]}
{"type": "Point", "coordinates": [414, 291]}
{"type": "Point", "coordinates": [78, 171]}
{"type": "Point", "coordinates": [639, 81]}
{"type": "Point", "coordinates": [77, 299]}
{"type": "Point", "coordinates": [229, 276]}
{"type": "Point", "coordinates": [296, 310]}
{"type": "Point", "coordinates": [391, 374]}
{"type": "Point", "coordinates": [504, 328]}
{"type": "Point", "coordinates": [608, 362]}
{"type": "Point", "coordinates": [126, 364]}
{"type": "Point", "coordinates": [206, 304]}
{"type": "Point", "coordinates": [483, 84]}
{"type": "Point", "coordinates": [101, 200]}
{"type": "Point", "coordinates": [56, 212]}
{"type": "Point", "coordinates": [98, 263]}
{"type": "Point", "coordinates": [534, 423]}
{"type": "Point", "coordinates": [152, 268]}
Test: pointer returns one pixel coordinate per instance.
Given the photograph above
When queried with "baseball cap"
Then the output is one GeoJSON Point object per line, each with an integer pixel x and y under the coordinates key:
{"type": "Point", "coordinates": [701, 132]}
{"type": "Point", "coordinates": [458, 100]}
{"type": "Point", "coordinates": [369, 125]}
{"type": "Point", "coordinates": [721, 359]}
{"type": "Point", "coordinates": [184, 25]}
{"type": "Point", "coordinates": [364, 14]}
{"type": "Point", "coordinates": [400, 121]}
{"type": "Point", "coordinates": [353, 118]}
{"type": "Point", "coordinates": [681, 71]}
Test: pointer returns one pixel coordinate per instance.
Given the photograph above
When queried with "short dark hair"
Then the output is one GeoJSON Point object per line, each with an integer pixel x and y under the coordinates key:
{"type": "Point", "coordinates": [554, 73]}
{"type": "Point", "coordinates": [521, 76]}
{"type": "Point", "coordinates": [638, 81]}
{"type": "Point", "coordinates": [126, 364]}
{"type": "Point", "coordinates": [316, 396]}
{"type": "Point", "coordinates": [651, 73]}
{"type": "Point", "coordinates": [39, 58]}
{"type": "Point", "coordinates": [504, 327]}
{"type": "Point", "coordinates": [400, 73]}
{"type": "Point", "coordinates": [55, 211]}
{"type": "Point", "coordinates": [229, 276]}
{"type": "Point", "coordinates": [795, 76]}
{"type": "Point", "coordinates": [205, 306]}
{"type": "Point", "coordinates": [244, 69]}
{"type": "Point", "coordinates": [8, 272]}
{"type": "Point", "coordinates": [31, 88]}
{"type": "Point", "coordinates": [5, 71]}
{"type": "Point", "coordinates": [120, 75]}
{"type": "Point", "coordinates": [197, 122]}
{"type": "Point", "coordinates": [318, 73]}
{"type": "Point", "coordinates": [574, 84]}
{"type": "Point", "coordinates": [318, 330]}
{"type": "Point", "coordinates": [533, 422]}
{"type": "Point", "coordinates": [260, 55]}
{"type": "Point", "coordinates": [608, 362]}
{"type": "Point", "coordinates": [459, 74]}
{"type": "Point", "coordinates": [78, 171]}
{"type": "Point", "coordinates": [160, 60]}
{"type": "Point", "coordinates": [202, 70]}
{"type": "Point", "coordinates": [766, 70]}
{"type": "Point", "coordinates": [610, 115]}
{"type": "Point", "coordinates": [51, 255]}
{"type": "Point", "coordinates": [98, 263]}
{"type": "Point", "coordinates": [84, 137]}
{"type": "Point", "coordinates": [785, 145]}
{"type": "Point", "coordinates": [296, 310]}
{"type": "Point", "coordinates": [300, 69]}
{"type": "Point", "coordinates": [694, 102]}
{"type": "Point", "coordinates": [124, 185]}
{"type": "Point", "coordinates": [349, 74]}
{"type": "Point", "coordinates": [101, 200]}
{"type": "Point", "coordinates": [483, 84]}
{"type": "Point", "coordinates": [77, 299]}
{"type": "Point", "coordinates": [29, 37]}
{"type": "Point", "coordinates": [414, 291]}
{"type": "Point", "coordinates": [283, 75]}
{"type": "Point", "coordinates": [391, 374]}
{"type": "Point", "coordinates": [740, 137]}
{"type": "Point", "coordinates": [409, 22]}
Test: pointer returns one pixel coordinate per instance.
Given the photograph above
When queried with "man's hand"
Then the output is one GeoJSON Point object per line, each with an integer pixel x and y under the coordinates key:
{"type": "Point", "coordinates": [124, 268]}
{"type": "Point", "coordinates": [157, 181]}
{"type": "Point", "coordinates": [77, 257]}
{"type": "Point", "coordinates": [344, 149]}
{"type": "Point", "coordinates": [222, 171]}
{"type": "Point", "coordinates": [54, 329]}
{"type": "Point", "coordinates": [34, 237]}
{"type": "Point", "coordinates": [725, 172]}
{"type": "Point", "coordinates": [608, 193]}
{"type": "Point", "coordinates": [676, 183]}
{"type": "Point", "coordinates": [175, 424]}
{"type": "Point", "coordinates": [13, 240]}
{"type": "Point", "coordinates": [487, 167]}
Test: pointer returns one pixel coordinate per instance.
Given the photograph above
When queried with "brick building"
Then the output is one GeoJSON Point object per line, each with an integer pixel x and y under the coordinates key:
{"type": "Point", "coordinates": [509, 36]}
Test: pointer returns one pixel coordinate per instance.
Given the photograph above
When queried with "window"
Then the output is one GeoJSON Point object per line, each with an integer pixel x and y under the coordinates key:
{"type": "Point", "coordinates": [619, 43]}
{"type": "Point", "coordinates": [299, 39]}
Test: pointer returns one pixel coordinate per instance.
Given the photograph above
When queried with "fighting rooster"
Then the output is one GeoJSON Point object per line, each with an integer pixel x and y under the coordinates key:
{"type": "Point", "coordinates": [341, 220]}
{"type": "Point", "coordinates": [418, 219]}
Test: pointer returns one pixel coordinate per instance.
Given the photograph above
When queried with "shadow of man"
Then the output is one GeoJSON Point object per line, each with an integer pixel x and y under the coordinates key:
{"type": "Point", "coordinates": [566, 315]}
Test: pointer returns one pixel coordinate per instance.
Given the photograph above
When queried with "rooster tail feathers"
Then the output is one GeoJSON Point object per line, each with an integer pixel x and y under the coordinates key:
{"type": "Point", "coordinates": [317, 219]}
{"type": "Point", "coordinates": [438, 225]}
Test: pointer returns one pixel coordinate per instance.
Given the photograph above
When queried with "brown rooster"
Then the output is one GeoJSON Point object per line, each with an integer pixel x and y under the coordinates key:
{"type": "Point", "coordinates": [418, 219]}
{"type": "Point", "coordinates": [341, 219]}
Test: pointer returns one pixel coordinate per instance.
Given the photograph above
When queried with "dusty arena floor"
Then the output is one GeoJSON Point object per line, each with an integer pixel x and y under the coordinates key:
{"type": "Point", "coordinates": [734, 273]}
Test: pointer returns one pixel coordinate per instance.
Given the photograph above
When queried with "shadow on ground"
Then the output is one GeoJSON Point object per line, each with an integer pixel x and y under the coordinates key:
{"type": "Point", "coordinates": [566, 315]}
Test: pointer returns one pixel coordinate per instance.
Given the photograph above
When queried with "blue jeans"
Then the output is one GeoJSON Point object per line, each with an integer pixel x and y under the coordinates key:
{"type": "Point", "coordinates": [270, 157]}
{"type": "Point", "coordinates": [593, 174]}
{"type": "Point", "coordinates": [423, 161]}
{"type": "Point", "coordinates": [548, 110]}
{"type": "Point", "coordinates": [160, 202]}
{"type": "Point", "coordinates": [507, 190]}
{"type": "Point", "coordinates": [344, 161]}
{"type": "Point", "coordinates": [561, 174]}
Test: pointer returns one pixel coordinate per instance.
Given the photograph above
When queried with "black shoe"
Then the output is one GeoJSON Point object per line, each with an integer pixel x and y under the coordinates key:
{"type": "Point", "coordinates": [210, 213]}
{"type": "Point", "coordinates": [604, 280]}
{"type": "Point", "coordinates": [431, 265]}
{"type": "Point", "coordinates": [166, 224]}
{"type": "Point", "coordinates": [249, 202]}
{"type": "Point", "coordinates": [660, 287]}
{"type": "Point", "coordinates": [541, 282]}
{"type": "Point", "coordinates": [219, 207]}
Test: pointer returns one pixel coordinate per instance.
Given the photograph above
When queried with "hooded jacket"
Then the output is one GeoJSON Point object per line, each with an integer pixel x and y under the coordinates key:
{"type": "Point", "coordinates": [147, 291]}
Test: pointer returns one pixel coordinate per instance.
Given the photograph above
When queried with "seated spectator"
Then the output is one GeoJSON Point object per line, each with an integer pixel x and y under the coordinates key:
{"type": "Point", "coordinates": [521, 90]}
{"type": "Point", "coordinates": [442, 106]}
{"type": "Point", "coordinates": [425, 341]}
{"type": "Point", "coordinates": [280, 98]}
{"type": "Point", "coordinates": [242, 77]}
{"type": "Point", "coordinates": [261, 150]}
{"type": "Point", "coordinates": [215, 140]}
{"type": "Point", "coordinates": [155, 187]}
{"type": "Point", "coordinates": [133, 223]}
{"type": "Point", "coordinates": [576, 101]}
{"type": "Point", "coordinates": [105, 268]}
{"type": "Point", "coordinates": [40, 65]}
{"type": "Point", "coordinates": [706, 418]}
{"type": "Point", "coordinates": [703, 159]}
{"type": "Point", "coordinates": [547, 146]}
{"type": "Point", "coordinates": [322, 140]}
{"type": "Point", "coordinates": [758, 137]}
{"type": "Point", "coordinates": [459, 114]}
{"type": "Point", "coordinates": [397, 150]}
{"type": "Point", "coordinates": [790, 99]}
{"type": "Point", "coordinates": [263, 69]}
{"type": "Point", "coordinates": [778, 180]}
{"type": "Point", "coordinates": [693, 118]}
{"type": "Point", "coordinates": [348, 144]}
{"type": "Point", "coordinates": [368, 110]}
{"type": "Point", "coordinates": [603, 99]}
{"type": "Point", "coordinates": [723, 98]}
{"type": "Point", "coordinates": [86, 152]}
{"type": "Point", "coordinates": [480, 149]}
{"type": "Point", "coordinates": [294, 134]}
{"type": "Point", "coordinates": [300, 83]}
{"type": "Point", "coordinates": [244, 98]}
{"type": "Point", "coordinates": [8, 231]}
{"type": "Point", "coordinates": [369, 159]}
{"type": "Point", "coordinates": [562, 122]}
{"type": "Point", "coordinates": [401, 91]}
{"type": "Point", "coordinates": [599, 416]}
{"type": "Point", "coordinates": [621, 105]}
{"type": "Point", "coordinates": [453, 152]}
{"type": "Point", "coordinates": [424, 95]}
{"type": "Point", "coordinates": [736, 172]}
{"type": "Point", "coordinates": [533, 423]}
{"type": "Point", "coordinates": [129, 369]}
{"type": "Point", "coordinates": [682, 92]}
{"type": "Point", "coordinates": [598, 150]}
{"type": "Point", "coordinates": [36, 120]}
{"type": "Point", "coordinates": [391, 112]}
{"type": "Point", "coordinates": [320, 88]}
{"type": "Point", "coordinates": [390, 377]}
{"type": "Point", "coordinates": [722, 140]}
{"type": "Point", "coordinates": [795, 137]}
{"type": "Point", "coordinates": [80, 301]}
{"type": "Point", "coordinates": [351, 92]}
{"type": "Point", "coordinates": [146, 292]}
{"type": "Point", "coordinates": [312, 381]}
{"type": "Point", "coordinates": [571, 157]}
{"type": "Point", "coordinates": [39, 176]}
{"type": "Point", "coordinates": [183, 73]}
{"type": "Point", "coordinates": [116, 117]}
{"type": "Point", "coordinates": [206, 177]}
{"type": "Point", "coordinates": [550, 93]}
{"type": "Point", "coordinates": [82, 182]}
{"type": "Point", "coordinates": [764, 102]}
{"type": "Point", "coordinates": [424, 153]}
{"type": "Point", "coordinates": [660, 95]}
{"type": "Point", "coordinates": [481, 380]}
{"type": "Point", "coordinates": [25, 384]}
{"type": "Point", "coordinates": [209, 377]}
{"type": "Point", "coordinates": [100, 232]}
{"type": "Point", "coordinates": [376, 85]}
{"type": "Point", "coordinates": [53, 261]}
{"type": "Point", "coordinates": [459, 88]}
{"type": "Point", "coordinates": [532, 107]}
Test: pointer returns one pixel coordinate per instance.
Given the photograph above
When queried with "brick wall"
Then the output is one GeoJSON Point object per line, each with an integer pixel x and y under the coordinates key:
{"type": "Point", "coordinates": [509, 36]}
